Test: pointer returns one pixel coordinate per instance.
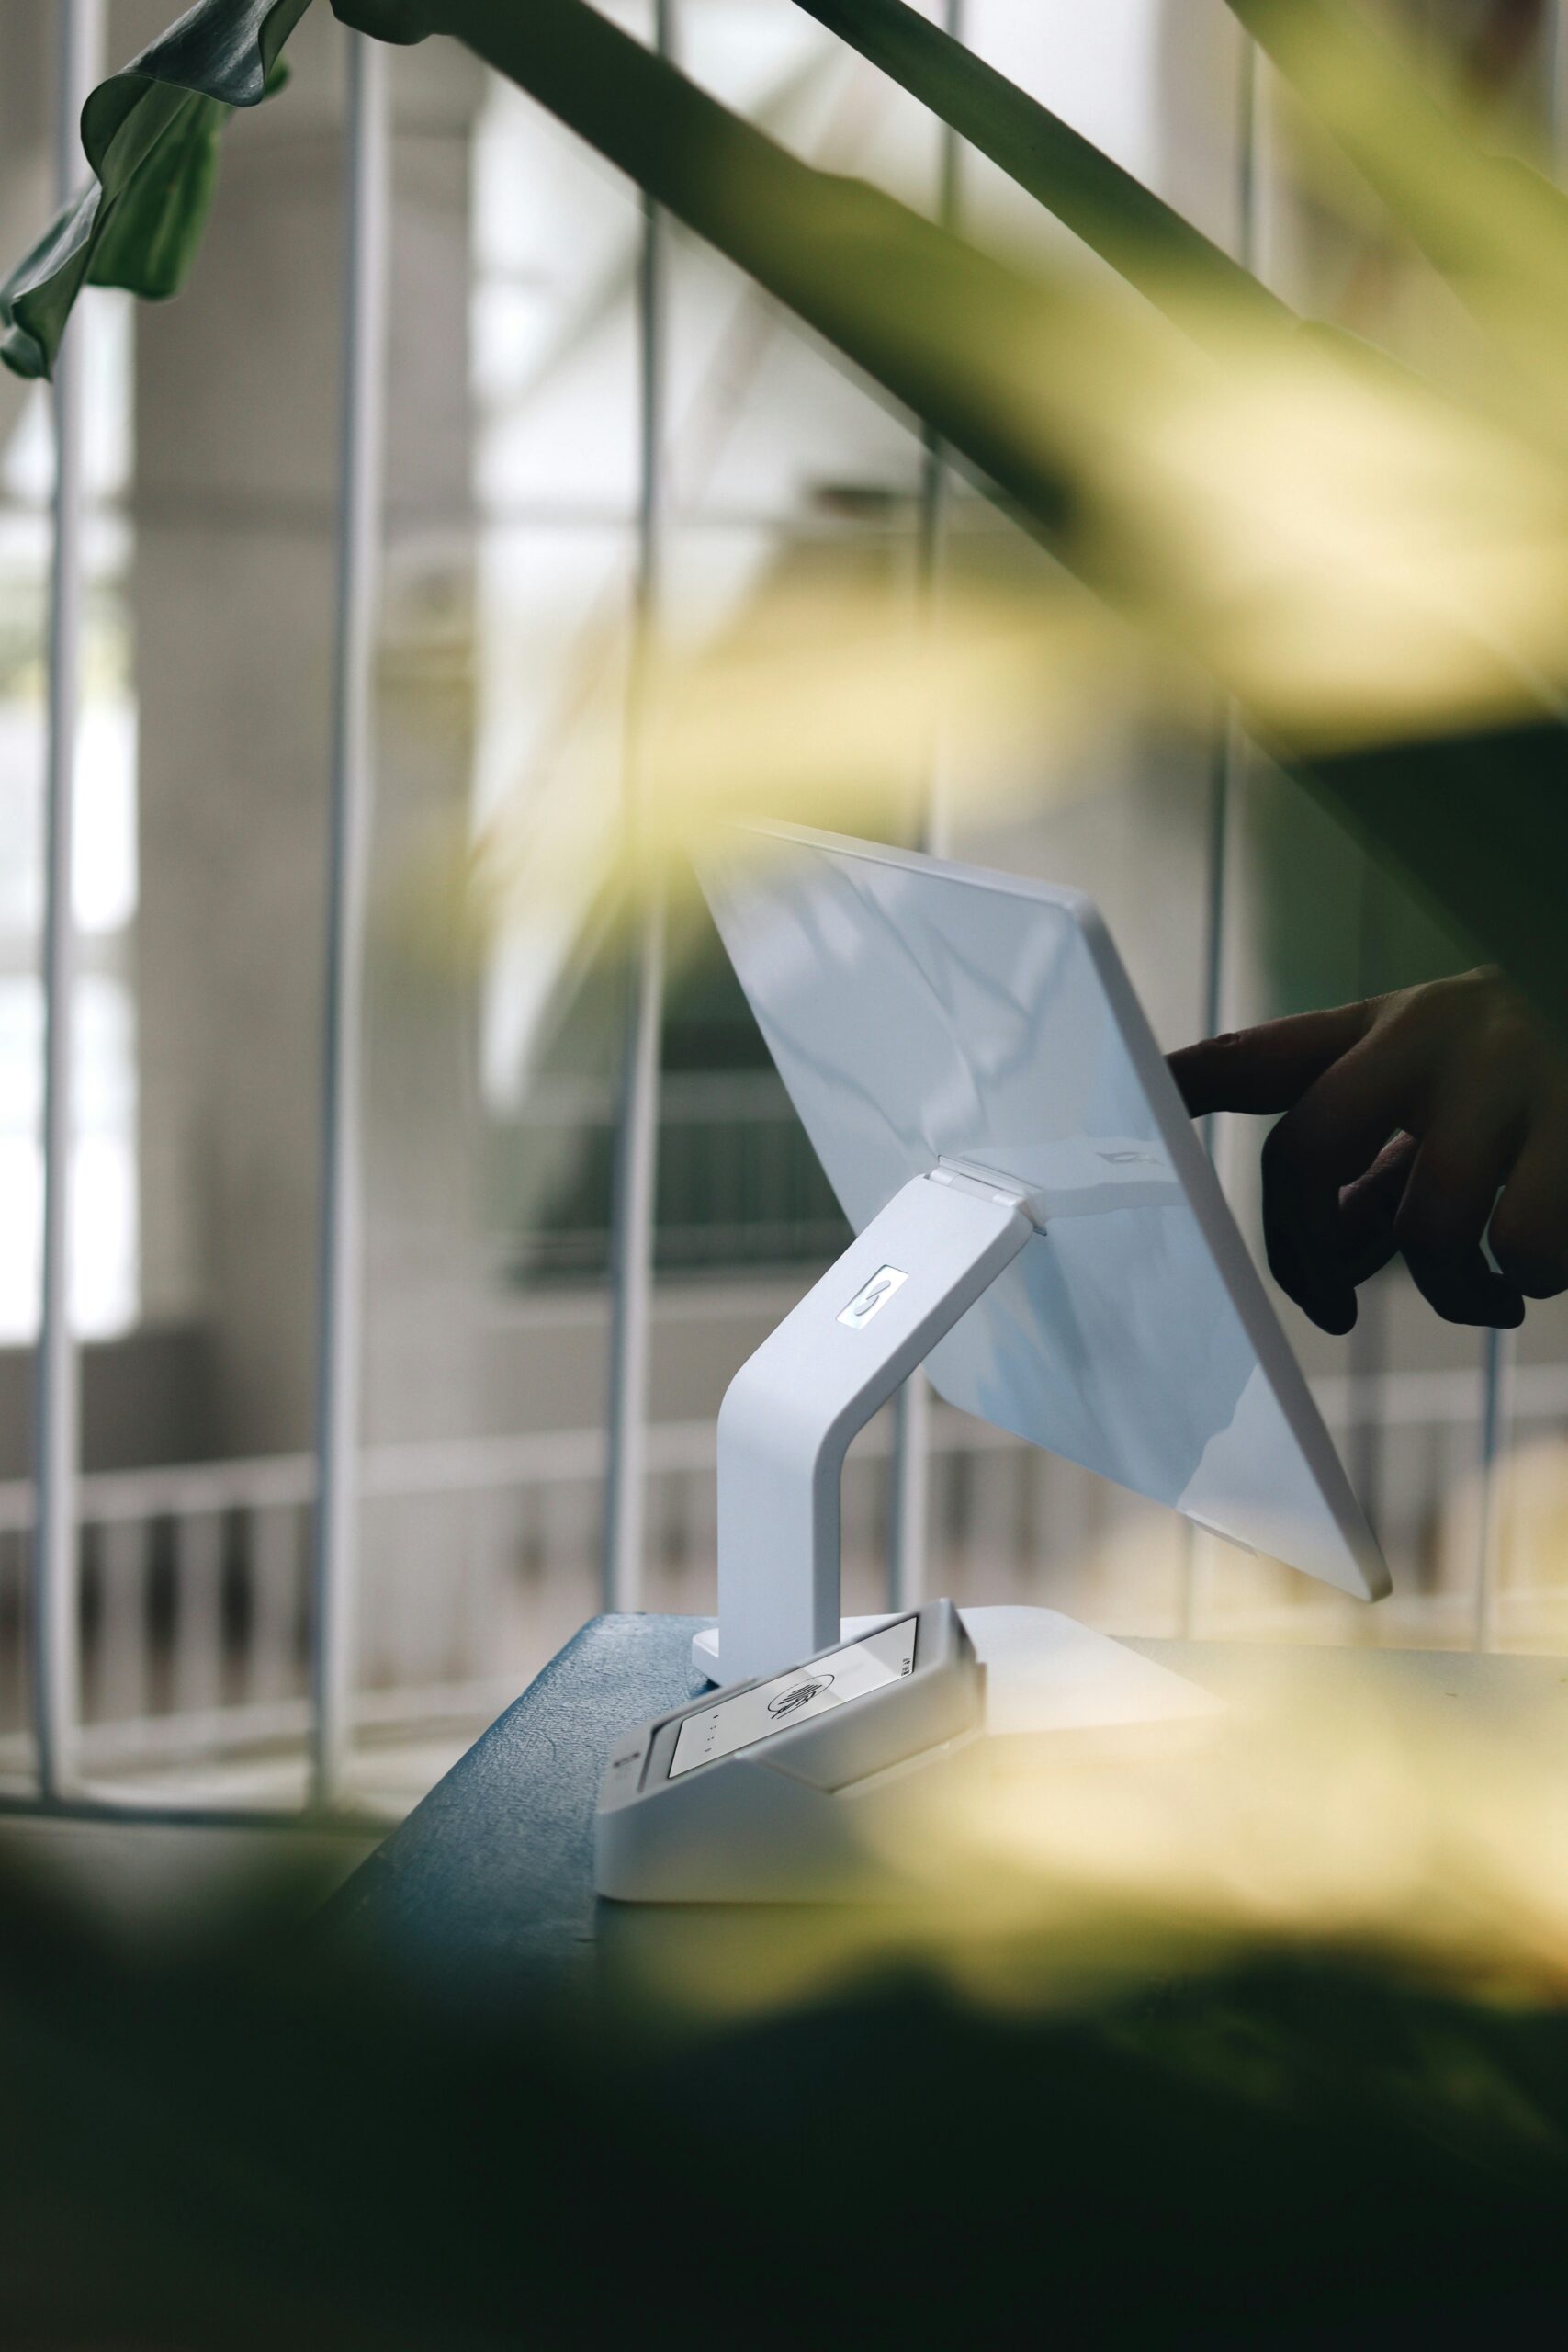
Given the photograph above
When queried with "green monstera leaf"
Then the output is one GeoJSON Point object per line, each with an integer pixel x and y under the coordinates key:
{"type": "Point", "coordinates": [402, 21]}
{"type": "Point", "coordinates": [150, 134]}
{"type": "Point", "coordinates": [146, 242]}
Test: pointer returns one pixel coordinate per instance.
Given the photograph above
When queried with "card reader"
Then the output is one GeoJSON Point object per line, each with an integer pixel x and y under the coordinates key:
{"type": "Point", "coordinates": [798, 1787]}
{"type": "Point", "coordinates": [764, 1792]}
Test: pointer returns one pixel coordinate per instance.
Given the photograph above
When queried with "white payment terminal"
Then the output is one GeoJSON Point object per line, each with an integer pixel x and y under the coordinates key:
{"type": "Point", "coordinates": [785, 1789]}
{"type": "Point", "coordinates": [762, 1792]}
{"type": "Point", "coordinates": [1036, 1224]}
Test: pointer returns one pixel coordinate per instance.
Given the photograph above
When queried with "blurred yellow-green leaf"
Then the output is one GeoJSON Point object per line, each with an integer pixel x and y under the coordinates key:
{"type": "Point", "coordinates": [1143, 238]}
{"type": "Point", "coordinates": [1375, 568]}
{"type": "Point", "coordinates": [1375, 572]}
{"type": "Point", "coordinates": [1495, 227]}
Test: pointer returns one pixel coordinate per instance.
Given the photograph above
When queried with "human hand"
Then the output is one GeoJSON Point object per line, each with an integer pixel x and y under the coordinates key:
{"type": "Point", "coordinates": [1405, 1116]}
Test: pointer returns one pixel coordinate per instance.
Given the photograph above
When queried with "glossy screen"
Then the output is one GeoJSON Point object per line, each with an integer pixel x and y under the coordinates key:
{"type": "Point", "coordinates": [920, 1011]}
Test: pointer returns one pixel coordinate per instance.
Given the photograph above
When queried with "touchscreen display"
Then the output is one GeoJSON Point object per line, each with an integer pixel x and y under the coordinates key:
{"type": "Point", "coordinates": [805, 1691]}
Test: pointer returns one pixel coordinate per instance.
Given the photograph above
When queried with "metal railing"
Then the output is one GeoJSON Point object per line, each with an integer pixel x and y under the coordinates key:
{"type": "Point", "coordinates": [478, 1557]}
{"type": "Point", "coordinates": [171, 1563]}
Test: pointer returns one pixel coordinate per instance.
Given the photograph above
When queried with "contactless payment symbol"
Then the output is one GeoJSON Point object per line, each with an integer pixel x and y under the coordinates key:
{"type": "Point", "coordinates": [799, 1694]}
{"type": "Point", "coordinates": [873, 1297]}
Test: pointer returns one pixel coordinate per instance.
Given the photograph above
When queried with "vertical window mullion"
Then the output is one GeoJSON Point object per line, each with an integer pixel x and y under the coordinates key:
{"type": "Point", "coordinates": [1499, 1349]}
{"type": "Point", "coordinates": [909, 1474]}
{"type": "Point", "coordinates": [1227, 765]}
{"type": "Point", "coordinates": [339, 1273]}
{"type": "Point", "coordinates": [56, 1660]}
{"type": "Point", "coordinates": [633, 1204]}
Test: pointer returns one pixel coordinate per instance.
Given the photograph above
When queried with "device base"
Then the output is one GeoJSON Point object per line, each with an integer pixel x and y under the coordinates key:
{"type": "Point", "coordinates": [1043, 1672]}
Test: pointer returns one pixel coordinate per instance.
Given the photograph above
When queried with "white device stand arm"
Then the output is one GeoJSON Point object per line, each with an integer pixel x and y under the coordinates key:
{"type": "Point", "coordinates": [792, 1410]}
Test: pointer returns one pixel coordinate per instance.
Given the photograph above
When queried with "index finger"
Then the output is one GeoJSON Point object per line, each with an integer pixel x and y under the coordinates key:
{"type": "Point", "coordinates": [1268, 1067]}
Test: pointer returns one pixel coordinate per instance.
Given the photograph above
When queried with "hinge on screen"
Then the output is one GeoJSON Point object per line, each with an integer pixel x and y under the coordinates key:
{"type": "Point", "coordinates": [986, 1183]}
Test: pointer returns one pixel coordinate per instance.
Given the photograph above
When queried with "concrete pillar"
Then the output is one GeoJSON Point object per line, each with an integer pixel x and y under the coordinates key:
{"type": "Point", "coordinates": [428, 1271]}
{"type": "Point", "coordinates": [234, 511]}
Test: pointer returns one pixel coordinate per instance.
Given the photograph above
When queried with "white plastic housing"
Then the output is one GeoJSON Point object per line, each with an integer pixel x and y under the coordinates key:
{"type": "Point", "coordinates": [792, 1410]}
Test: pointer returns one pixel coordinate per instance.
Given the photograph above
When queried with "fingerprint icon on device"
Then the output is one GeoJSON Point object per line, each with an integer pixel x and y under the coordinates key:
{"type": "Point", "coordinates": [799, 1694]}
